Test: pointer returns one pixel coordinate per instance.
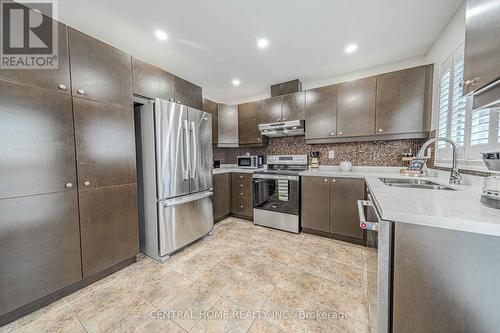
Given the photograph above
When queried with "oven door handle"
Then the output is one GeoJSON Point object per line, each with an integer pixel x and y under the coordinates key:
{"type": "Point", "coordinates": [263, 176]}
{"type": "Point", "coordinates": [363, 223]}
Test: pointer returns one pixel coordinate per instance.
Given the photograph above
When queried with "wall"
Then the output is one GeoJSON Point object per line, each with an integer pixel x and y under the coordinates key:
{"type": "Point", "coordinates": [452, 36]}
{"type": "Point", "coordinates": [371, 153]}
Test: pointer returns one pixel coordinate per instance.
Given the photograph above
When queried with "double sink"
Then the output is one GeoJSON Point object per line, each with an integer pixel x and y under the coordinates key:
{"type": "Point", "coordinates": [415, 183]}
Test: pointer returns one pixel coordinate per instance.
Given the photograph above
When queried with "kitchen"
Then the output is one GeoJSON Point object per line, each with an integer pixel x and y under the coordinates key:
{"type": "Point", "coordinates": [214, 175]}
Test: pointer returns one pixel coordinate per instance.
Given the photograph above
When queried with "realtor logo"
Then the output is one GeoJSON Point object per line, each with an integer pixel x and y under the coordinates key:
{"type": "Point", "coordinates": [29, 34]}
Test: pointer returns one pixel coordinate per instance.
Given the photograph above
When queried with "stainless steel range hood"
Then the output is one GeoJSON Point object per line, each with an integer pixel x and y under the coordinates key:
{"type": "Point", "coordinates": [282, 129]}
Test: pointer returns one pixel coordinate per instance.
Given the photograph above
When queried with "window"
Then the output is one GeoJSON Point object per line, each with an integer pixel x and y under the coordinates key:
{"type": "Point", "coordinates": [474, 131]}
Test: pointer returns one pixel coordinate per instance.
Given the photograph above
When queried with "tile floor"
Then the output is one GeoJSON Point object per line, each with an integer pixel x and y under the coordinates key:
{"type": "Point", "coordinates": [243, 278]}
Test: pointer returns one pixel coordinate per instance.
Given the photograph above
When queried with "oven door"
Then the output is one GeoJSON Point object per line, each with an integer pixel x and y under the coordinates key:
{"type": "Point", "coordinates": [276, 193]}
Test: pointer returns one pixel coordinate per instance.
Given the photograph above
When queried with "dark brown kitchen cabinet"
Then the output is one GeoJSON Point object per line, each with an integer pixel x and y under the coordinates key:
{"type": "Point", "coordinates": [40, 246]}
{"type": "Point", "coordinates": [248, 119]}
{"type": "Point", "coordinates": [242, 195]}
{"type": "Point", "coordinates": [271, 110]}
{"type": "Point", "coordinates": [151, 81]}
{"type": "Point", "coordinates": [105, 144]}
{"type": "Point", "coordinates": [99, 71]}
{"type": "Point", "coordinates": [187, 93]}
{"type": "Point", "coordinates": [401, 101]}
{"type": "Point", "coordinates": [321, 112]}
{"type": "Point", "coordinates": [222, 196]}
{"type": "Point", "coordinates": [227, 125]}
{"type": "Point", "coordinates": [294, 106]}
{"type": "Point", "coordinates": [329, 207]}
{"type": "Point", "coordinates": [344, 217]}
{"type": "Point", "coordinates": [315, 199]}
{"type": "Point", "coordinates": [212, 108]}
{"type": "Point", "coordinates": [109, 226]}
{"type": "Point", "coordinates": [356, 108]}
{"type": "Point", "coordinates": [37, 152]}
{"type": "Point", "coordinates": [57, 79]}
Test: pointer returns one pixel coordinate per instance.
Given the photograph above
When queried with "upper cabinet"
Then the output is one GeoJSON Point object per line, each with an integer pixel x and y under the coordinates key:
{"type": "Point", "coordinates": [212, 108]}
{"type": "Point", "coordinates": [248, 120]}
{"type": "Point", "coordinates": [401, 103]}
{"type": "Point", "coordinates": [271, 110]}
{"type": "Point", "coordinates": [227, 125]}
{"type": "Point", "coordinates": [321, 112]}
{"type": "Point", "coordinates": [150, 81]}
{"type": "Point", "coordinates": [57, 80]}
{"type": "Point", "coordinates": [356, 109]}
{"type": "Point", "coordinates": [99, 72]}
{"type": "Point", "coordinates": [482, 45]}
{"type": "Point", "coordinates": [187, 93]}
{"type": "Point", "coordinates": [294, 106]}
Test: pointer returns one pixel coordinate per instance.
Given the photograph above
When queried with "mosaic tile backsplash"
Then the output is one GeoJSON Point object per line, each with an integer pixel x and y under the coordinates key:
{"type": "Point", "coordinates": [371, 153]}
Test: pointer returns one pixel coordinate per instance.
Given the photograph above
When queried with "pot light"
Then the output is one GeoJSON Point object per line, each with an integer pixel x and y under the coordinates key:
{"type": "Point", "coordinates": [262, 43]}
{"type": "Point", "coordinates": [351, 48]}
{"type": "Point", "coordinates": [236, 82]}
{"type": "Point", "coordinates": [161, 35]}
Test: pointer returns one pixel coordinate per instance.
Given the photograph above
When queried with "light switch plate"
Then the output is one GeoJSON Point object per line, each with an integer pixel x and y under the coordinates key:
{"type": "Point", "coordinates": [331, 154]}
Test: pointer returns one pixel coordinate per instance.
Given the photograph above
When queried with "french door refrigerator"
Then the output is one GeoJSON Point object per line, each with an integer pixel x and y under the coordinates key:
{"type": "Point", "coordinates": [174, 150]}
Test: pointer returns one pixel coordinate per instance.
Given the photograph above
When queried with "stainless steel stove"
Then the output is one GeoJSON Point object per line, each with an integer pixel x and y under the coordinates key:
{"type": "Point", "coordinates": [276, 197]}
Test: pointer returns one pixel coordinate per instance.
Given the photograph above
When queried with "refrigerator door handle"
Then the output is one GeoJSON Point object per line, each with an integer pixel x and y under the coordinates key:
{"type": "Point", "coordinates": [186, 199]}
{"type": "Point", "coordinates": [186, 151]}
{"type": "Point", "coordinates": [195, 151]}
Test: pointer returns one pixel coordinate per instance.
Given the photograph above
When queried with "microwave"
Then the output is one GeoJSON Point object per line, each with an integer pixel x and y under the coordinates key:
{"type": "Point", "coordinates": [250, 161]}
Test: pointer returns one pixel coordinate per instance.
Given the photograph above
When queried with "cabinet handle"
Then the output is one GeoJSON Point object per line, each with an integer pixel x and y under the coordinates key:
{"type": "Point", "coordinates": [62, 86]}
{"type": "Point", "coordinates": [279, 119]}
{"type": "Point", "coordinates": [284, 119]}
{"type": "Point", "coordinates": [380, 130]}
{"type": "Point", "coordinates": [241, 185]}
{"type": "Point", "coordinates": [258, 139]}
{"type": "Point", "coordinates": [178, 102]}
{"type": "Point", "coordinates": [326, 180]}
{"type": "Point", "coordinates": [334, 180]}
{"type": "Point", "coordinates": [80, 91]}
{"type": "Point", "coordinates": [241, 194]}
{"type": "Point", "coordinates": [69, 185]}
{"type": "Point", "coordinates": [86, 183]}
{"type": "Point", "coordinates": [467, 83]}
{"type": "Point", "coordinates": [241, 207]}
{"type": "Point", "coordinates": [241, 177]}
{"type": "Point", "coordinates": [340, 133]}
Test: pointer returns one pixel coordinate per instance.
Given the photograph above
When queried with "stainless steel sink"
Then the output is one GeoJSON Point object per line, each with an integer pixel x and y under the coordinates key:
{"type": "Point", "coordinates": [415, 183]}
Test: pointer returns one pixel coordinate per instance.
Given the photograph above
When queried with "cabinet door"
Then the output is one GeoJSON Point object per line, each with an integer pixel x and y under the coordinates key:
{"type": "Point", "coordinates": [248, 120]}
{"type": "Point", "coordinates": [150, 81]}
{"type": "Point", "coordinates": [315, 211]}
{"type": "Point", "coordinates": [50, 79]}
{"type": "Point", "coordinates": [344, 218]}
{"type": "Point", "coordinates": [321, 112]}
{"type": "Point", "coordinates": [187, 93]}
{"type": "Point", "coordinates": [482, 44]}
{"type": "Point", "coordinates": [356, 113]}
{"type": "Point", "coordinates": [222, 195]}
{"type": "Point", "coordinates": [272, 110]}
{"type": "Point", "coordinates": [227, 125]}
{"type": "Point", "coordinates": [294, 106]}
{"type": "Point", "coordinates": [40, 246]}
{"type": "Point", "coordinates": [212, 108]}
{"type": "Point", "coordinates": [37, 149]}
{"type": "Point", "coordinates": [242, 194]}
{"type": "Point", "coordinates": [105, 144]}
{"type": "Point", "coordinates": [401, 101]}
{"type": "Point", "coordinates": [98, 71]}
{"type": "Point", "coordinates": [109, 226]}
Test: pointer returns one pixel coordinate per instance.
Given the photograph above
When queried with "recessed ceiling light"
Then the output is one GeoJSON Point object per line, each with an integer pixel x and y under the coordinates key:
{"type": "Point", "coordinates": [236, 82]}
{"type": "Point", "coordinates": [262, 43]}
{"type": "Point", "coordinates": [351, 48]}
{"type": "Point", "coordinates": [161, 35]}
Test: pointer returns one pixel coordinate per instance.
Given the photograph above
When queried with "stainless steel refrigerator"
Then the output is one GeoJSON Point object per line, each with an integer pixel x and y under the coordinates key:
{"type": "Point", "coordinates": [174, 150]}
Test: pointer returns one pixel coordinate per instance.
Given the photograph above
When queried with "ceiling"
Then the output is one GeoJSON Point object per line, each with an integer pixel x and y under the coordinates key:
{"type": "Point", "coordinates": [213, 42]}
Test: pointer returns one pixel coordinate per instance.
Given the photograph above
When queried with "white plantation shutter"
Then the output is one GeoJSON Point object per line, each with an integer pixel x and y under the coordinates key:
{"type": "Point", "coordinates": [498, 126]}
{"type": "Point", "coordinates": [459, 104]}
{"type": "Point", "coordinates": [480, 127]}
{"type": "Point", "coordinates": [444, 101]}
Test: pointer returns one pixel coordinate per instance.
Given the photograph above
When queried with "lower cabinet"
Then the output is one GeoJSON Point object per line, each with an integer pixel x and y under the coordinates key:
{"type": "Point", "coordinates": [329, 207]}
{"type": "Point", "coordinates": [222, 196]}
{"type": "Point", "coordinates": [242, 195]}
{"type": "Point", "coordinates": [39, 246]}
{"type": "Point", "coordinates": [109, 227]}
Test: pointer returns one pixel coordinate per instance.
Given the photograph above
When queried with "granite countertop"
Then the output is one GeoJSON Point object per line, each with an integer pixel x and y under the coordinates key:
{"type": "Point", "coordinates": [228, 168]}
{"type": "Point", "coordinates": [456, 210]}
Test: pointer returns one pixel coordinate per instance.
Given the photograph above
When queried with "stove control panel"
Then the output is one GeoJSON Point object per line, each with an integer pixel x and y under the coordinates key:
{"type": "Point", "coordinates": [287, 159]}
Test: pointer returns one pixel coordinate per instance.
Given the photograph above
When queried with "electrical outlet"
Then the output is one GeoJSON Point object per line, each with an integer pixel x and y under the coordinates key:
{"type": "Point", "coordinates": [331, 154]}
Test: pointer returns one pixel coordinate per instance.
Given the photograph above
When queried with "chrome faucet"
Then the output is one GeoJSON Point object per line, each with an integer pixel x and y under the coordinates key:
{"type": "Point", "coordinates": [455, 176]}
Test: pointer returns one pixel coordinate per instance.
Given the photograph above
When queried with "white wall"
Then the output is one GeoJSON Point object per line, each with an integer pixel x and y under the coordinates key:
{"type": "Point", "coordinates": [452, 37]}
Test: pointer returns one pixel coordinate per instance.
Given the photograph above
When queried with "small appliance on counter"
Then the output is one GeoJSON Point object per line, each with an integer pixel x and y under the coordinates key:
{"type": "Point", "coordinates": [345, 166]}
{"type": "Point", "coordinates": [491, 186]}
{"type": "Point", "coordinates": [216, 164]}
{"type": "Point", "coordinates": [250, 161]}
{"type": "Point", "coordinates": [314, 162]}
